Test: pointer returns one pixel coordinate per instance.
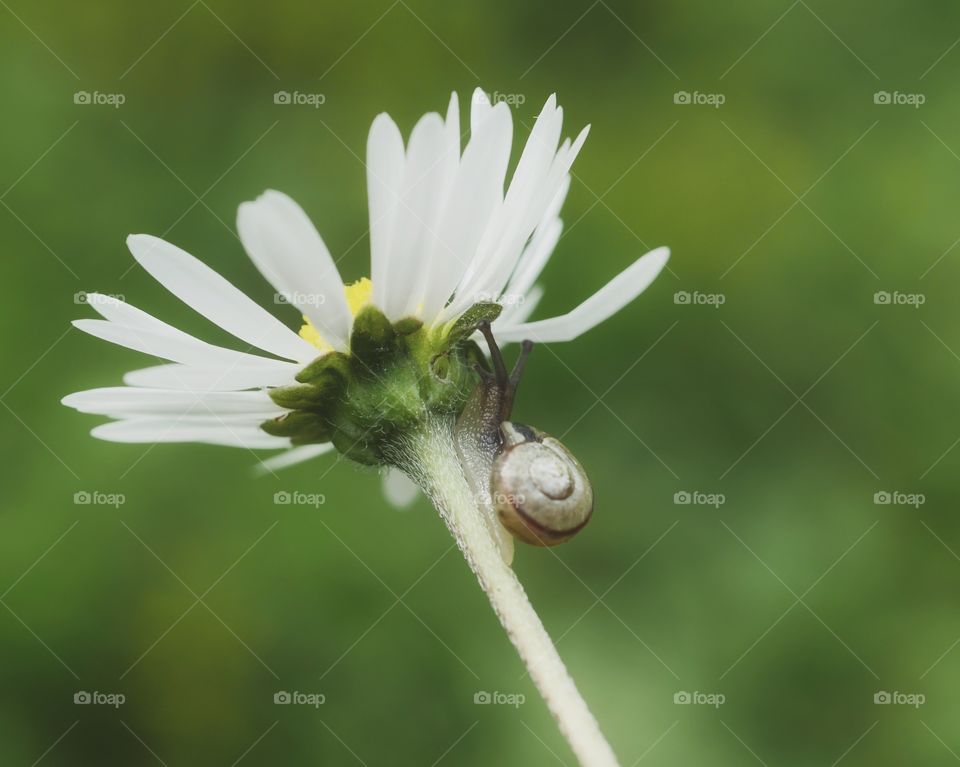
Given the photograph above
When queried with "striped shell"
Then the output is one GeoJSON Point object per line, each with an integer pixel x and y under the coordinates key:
{"type": "Point", "coordinates": [540, 491]}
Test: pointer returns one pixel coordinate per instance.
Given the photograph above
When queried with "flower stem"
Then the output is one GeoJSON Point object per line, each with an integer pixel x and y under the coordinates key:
{"type": "Point", "coordinates": [432, 461]}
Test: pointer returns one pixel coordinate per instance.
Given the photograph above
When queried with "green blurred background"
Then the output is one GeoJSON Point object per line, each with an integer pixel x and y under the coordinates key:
{"type": "Point", "coordinates": [798, 399]}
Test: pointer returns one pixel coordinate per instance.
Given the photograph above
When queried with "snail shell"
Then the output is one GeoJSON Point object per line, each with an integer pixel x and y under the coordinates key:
{"type": "Point", "coordinates": [539, 490]}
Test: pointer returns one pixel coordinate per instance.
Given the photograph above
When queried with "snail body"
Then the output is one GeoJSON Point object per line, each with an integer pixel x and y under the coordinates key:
{"type": "Point", "coordinates": [537, 489]}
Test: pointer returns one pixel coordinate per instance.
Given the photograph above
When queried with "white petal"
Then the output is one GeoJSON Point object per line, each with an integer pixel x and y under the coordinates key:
{"type": "Point", "coordinates": [429, 293]}
{"type": "Point", "coordinates": [560, 168]}
{"type": "Point", "coordinates": [550, 190]}
{"type": "Point", "coordinates": [607, 301]}
{"type": "Point", "coordinates": [480, 107]}
{"type": "Point", "coordinates": [398, 489]}
{"type": "Point", "coordinates": [231, 433]}
{"type": "Point", "coordinates": [219, 369]}
{"type": "Point", "coordinates": [385, 161]}
{"type": "Point", "coordinates": [124, 401]}
{"type": "Point", "coordinates": [477, 191]}
{"type": "Point", "coordinates": [532, 169]}
{"type": "Point", "coordinates": [553, 209]}
{"type": "Point", "coordinates": [292, 457]}
{"type": "Point", "coordinates": [289, 252]}
{"type": "Point", "coordinates": [419, 195]}
{"type": "Point", "coordinates": [552, 195]}
{"type": "Point", "coordinates": [562, 163]}
{"type": "Point", "coordinates": [189, 378]}
{"type": "Point", "coordinates": [171, 344]}
{"type": "Point", "coordinates": [452, 123]}
{"type": "Point", "coordinates": [122, 313]}
{"type": "Point", "coordinates": [538, 153]}
{"type": "Point", "coordinates": [535, 186]}
{"type": "Point", "coordinates": [534, 258]}
{"type": "Point", "coordinates": [520, 311]}
{"type": "Point", "coordinates": [206, 292]}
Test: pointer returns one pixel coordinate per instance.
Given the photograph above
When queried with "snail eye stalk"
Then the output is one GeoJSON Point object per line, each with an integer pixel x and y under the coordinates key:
{"type": "Point", "coordinates": [507, 383]}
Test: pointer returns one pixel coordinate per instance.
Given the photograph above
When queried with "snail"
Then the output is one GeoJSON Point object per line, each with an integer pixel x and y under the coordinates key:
{"type": "Point", "coordinates": [536, 487]}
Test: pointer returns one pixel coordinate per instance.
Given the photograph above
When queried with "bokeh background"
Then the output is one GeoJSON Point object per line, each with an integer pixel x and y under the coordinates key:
{"type": "Point", "coordinates": [785, 391]}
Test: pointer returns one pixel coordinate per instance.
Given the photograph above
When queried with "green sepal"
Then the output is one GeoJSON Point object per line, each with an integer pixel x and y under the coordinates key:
{"type": "Point", "coordinates": [471, 319]}
{"type": "Point", "coordinates": [336, 363]}
{"type": "Point", "coordinates": [373, 338]}
{"type": "Point", "coordinates": [304, 396]}
{"type": "Point", "coordinates": [302, 427]}
{"type": "Point", "coordinates": [407, 326]}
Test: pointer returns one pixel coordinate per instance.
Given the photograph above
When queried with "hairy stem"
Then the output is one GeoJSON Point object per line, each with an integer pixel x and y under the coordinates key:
{"type": "Point", "coordinates": [430, 458]}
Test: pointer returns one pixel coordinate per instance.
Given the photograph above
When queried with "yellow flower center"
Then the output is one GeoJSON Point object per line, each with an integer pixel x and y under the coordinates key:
{"type": "Point", "coordinates": [358, 296]}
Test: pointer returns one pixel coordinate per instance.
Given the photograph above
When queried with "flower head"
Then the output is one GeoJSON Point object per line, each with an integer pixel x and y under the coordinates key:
{"type": "Point", "coordinates": [449, 249]}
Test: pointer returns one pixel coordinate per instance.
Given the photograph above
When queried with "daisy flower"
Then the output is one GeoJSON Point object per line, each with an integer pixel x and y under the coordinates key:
{"type": "Point", "coordinates": [380, 369]}
{"type": "Point", "coordinates": [443, 238]}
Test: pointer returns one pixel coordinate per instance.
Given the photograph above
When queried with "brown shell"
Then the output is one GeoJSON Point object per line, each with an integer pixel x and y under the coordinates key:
{"type": "Point", "coordinates": [540, 491]}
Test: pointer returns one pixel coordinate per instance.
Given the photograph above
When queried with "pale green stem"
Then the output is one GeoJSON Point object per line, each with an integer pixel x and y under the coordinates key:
{"type": "Point", "coordinates": [430, 458]}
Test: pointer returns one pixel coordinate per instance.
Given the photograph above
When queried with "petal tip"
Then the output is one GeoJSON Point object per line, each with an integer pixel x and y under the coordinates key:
{"type": "Point", "coordinates": [102, 432]}
{"type": "Point", "coordinates": [69, 400]}
{"type": "Point", "coordinates": [381, 122]}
